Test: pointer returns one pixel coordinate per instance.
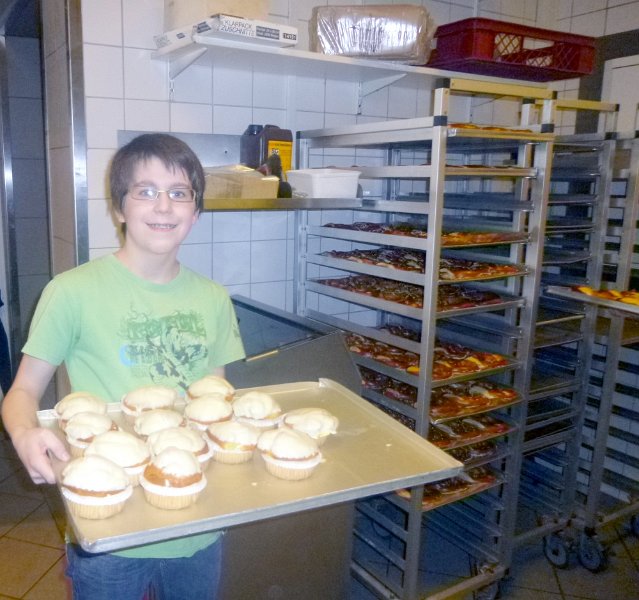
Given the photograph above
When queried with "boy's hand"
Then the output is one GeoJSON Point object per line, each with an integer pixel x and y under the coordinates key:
{"type": "Point", "coordinates": [34, 446]}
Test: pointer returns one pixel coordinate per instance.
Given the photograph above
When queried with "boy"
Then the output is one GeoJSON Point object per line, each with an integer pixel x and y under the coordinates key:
{"type": "Point", "coordinates": [132, 318]}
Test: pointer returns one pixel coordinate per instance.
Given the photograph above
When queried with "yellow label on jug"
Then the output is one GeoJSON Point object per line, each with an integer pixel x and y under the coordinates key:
{"type": "Point", "coordinates": [285, 151]}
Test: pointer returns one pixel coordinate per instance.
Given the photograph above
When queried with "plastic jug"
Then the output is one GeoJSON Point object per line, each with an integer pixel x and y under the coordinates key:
{"type": "Point", "coordinates": [274, 140]}
{"type": "Point", "coordinates": [250, 154]}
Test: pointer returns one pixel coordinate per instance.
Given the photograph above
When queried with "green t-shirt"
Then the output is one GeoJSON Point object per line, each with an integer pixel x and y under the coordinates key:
{"type": "Point", "coordinates": [115, 332]}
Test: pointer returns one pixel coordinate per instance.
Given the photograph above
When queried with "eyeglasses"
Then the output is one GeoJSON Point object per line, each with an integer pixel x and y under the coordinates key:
{"type": "Point", "coordinates": [150, 194]}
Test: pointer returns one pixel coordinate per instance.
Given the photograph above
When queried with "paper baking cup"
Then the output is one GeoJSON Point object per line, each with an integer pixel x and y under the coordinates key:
{"type": "Point", "coordinates": [96, 507]}
{"type": "Point", "coordinates": [293, 470]}
{"type": "Point", "coordinates": [172, 498]}
{"type": "Point", "coordinates": [230, 457]}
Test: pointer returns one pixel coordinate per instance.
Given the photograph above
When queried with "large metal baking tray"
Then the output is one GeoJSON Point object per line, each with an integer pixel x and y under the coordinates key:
{"type": "Point", "coordinates": [573, 295]}
{"type": "Point", "coordinates": [371, 454]}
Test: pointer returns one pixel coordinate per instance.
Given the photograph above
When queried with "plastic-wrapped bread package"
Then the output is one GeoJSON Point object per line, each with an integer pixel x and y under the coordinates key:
{"type": "Point", "coordinates": [393, 32]}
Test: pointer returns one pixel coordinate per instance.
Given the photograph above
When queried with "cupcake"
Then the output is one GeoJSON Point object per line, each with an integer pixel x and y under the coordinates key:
{"type": "Point", "coordinates": [258, 409]}
{"type": "Point", "coordinates": [173, 479]}
{"type": "Point", "coordinates": [210, 384]}
{"type": "Point", "coordinates": [206, 410]}
{"type": "Point", "coordinates": [124, 449]}
{"type": "Point", "coordinates": [148, 398]}
{"type": "Point", "coordinates": [157, 419]}
{"type": "Point", "coordinates": [318, 423]}
{"type": "Point", "coordinates": [232, 442]}
{"type": "Point", "coordinates": [77, 402]}
{"type": "Point", "coordinates": [289, 454]}
{"type": "Point", "coordinates": [94, 487]}
{"type": "Point", "coordinates": [82, 427]}
{"type": "Point", "coordinates": [184, 438]}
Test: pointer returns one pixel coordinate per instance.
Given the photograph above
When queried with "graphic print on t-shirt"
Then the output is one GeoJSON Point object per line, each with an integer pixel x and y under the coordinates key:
{"type": "Point", "coordinates": [166, 348]}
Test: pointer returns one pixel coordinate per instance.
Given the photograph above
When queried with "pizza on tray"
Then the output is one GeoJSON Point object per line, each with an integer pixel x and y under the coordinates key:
{"type": "Point", "coordinates": [449, 297]}
{"type": "Point", "coordinates": [450, 360]}
{"type": "Point", "coordinates": [625, 296]}
{"type": "Point", "coordinates": [450, 269]}
{"type": "Point", "coordinates": [449, 238]}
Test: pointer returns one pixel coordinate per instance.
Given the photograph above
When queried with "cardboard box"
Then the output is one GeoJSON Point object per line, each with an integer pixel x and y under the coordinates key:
{"type": "Point", "coordinates": [237, 28]}
{"type": "Point", "coordinates": [238, 181]}
{"type": "Point", "coordinates": [229, 27]}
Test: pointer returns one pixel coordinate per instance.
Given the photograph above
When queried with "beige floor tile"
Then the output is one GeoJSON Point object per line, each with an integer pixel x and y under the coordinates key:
{"type": "Point", "coordinates": [20, 484]}
{"type": "Point", "coordinates": [38, 528]}
{"type": "Point", "coordinates": [53, 586]}
{"type": "Point", "coordinates": [531, 570]}
{"type": "Point", "coordinates": [22, 565]}
{"type": "Point", "coordinates": [14, 509]}
{"type": "Point", "coordinates": [619, 582]}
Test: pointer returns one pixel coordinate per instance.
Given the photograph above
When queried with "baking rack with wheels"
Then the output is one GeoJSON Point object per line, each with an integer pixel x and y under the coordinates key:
{"type": "Point", "coordinates": [433, 277]}
{"type": "Point", "coordinates": [563, 340]}
{"type": "Point", "coordinates": [607, 489]}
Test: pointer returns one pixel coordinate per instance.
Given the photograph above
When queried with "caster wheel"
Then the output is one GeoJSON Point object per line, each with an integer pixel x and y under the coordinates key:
{"type": "Point", "coordinates": [489, 592]}
{"type": "Point", "coordinates": [592, 555]}
{"type": "Point", "coordinates": [556, 550]}
{"type": "Point", "coordinates": [634, 525]}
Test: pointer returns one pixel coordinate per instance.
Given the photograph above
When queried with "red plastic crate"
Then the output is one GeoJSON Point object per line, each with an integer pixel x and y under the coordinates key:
{"type": "Point", "coordinates": [488, 47]}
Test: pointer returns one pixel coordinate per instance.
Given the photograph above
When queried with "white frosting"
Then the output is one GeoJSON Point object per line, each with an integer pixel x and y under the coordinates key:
{"type": "Point", "coordinates": [84, 425]}
{"type": "Point", "coordinates": [148, 398]}
{"type": "Point", "coordinates": [176, 437]}
{"type": "Point", "coordinates": [96, 474]}
{"type": "Point", "coordinates": [316, 422]}
{"type": "Point", "coordinates": [177, 462]}
{"type": "Point", "coordinates": [232, 432]}
{"type": "Point", "coordinates": [121, 447]}
{"type": "Point", "coordinates": [256, 405]}
{"type": "Point", "coordinates": [208, 409]}
{"type": "Point", "coordinates": [162, 490]}
{"type": "Point", "coordinates": [157, 419]}
{"type": "Point", "coordinates": [306, 463]}
{"type": "Point", "coordinates": [98, 500]}
{"type": "Point", "coordinates": [287, 444]}
{"type": "Point", "coordinates": [210, 384]}
{"type": "Point", "coordinates": [78, 402]}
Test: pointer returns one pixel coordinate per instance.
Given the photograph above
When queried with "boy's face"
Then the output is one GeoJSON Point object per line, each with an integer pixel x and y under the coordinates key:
{"type": "Point", "coordinates": [157, 226]}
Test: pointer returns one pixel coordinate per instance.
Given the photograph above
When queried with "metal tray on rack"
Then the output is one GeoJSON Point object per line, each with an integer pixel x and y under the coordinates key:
{"type": "Point", "coordinates": [371, 454]}
{"type": "Point", "coordinates": [565, 292]}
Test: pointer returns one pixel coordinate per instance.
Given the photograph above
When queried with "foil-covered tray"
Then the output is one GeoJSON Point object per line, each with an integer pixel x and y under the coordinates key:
{"type": "Point", "coordinates": [371, 454]}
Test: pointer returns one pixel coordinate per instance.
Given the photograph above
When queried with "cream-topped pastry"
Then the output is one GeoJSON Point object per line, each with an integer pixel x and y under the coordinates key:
{"type": "Point", "coordinates": [210, 384]}
{"type": "Point", "coordinates": [146, 398]}
{"type": "Point", "coordinates": [173, 479]}
{"type": "Point", "coordinates": [184, 438]}
{"type": "Point", "coordinates": [94, 487]}
{"type": "Point", "coordinates": [316, 422]}
{"type": "Point", "coordinates": [289, 454]}
{"type": "Point", "coordinates": [82, 427]}
{"type": "Point", "coordinates": [124, 449]}
{"type": "Point", "coordinates": [258, 409]}
{"type": "Point", "coordinates": [78, 402]}
{"type": "Point", "coordinates": [157, 419]}
{"type": "Point", "coordinates": [232, 442]}
{"type": "Point", "coordinates": [206, 410]}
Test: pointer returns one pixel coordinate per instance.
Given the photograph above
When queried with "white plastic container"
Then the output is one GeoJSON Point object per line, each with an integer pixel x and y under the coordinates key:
{"type": "Point", "coordinates": [324, 183]}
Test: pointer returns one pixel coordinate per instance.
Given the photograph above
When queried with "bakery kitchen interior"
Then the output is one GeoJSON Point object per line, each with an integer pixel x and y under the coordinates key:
{"type": "Point", "coordinates": [589, 553]}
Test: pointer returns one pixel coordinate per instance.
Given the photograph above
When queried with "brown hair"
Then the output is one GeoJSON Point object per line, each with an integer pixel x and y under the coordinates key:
{"type": "Point", "coordinates": [174, 154]}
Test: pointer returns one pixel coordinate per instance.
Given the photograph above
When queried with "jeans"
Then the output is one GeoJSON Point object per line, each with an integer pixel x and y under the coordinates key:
{"type": "Point", "coordinates": [110, 577]}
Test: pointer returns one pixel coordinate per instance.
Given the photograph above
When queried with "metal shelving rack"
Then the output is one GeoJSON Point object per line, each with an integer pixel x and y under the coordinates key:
{"type": "Point", "coordinates": [563, 337]}
{"type": "Point", "coordinates": [421, 170]}
{"type": "Point", "coordinates": [608, 475]}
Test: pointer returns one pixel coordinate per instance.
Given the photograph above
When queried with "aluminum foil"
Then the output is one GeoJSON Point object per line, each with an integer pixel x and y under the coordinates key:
{"type": "Point", "coordinates": [393, 32]}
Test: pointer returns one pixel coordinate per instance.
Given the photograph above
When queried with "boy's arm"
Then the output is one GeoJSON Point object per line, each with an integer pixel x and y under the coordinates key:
{"type": "Point", "coordinates": [19, 409]}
